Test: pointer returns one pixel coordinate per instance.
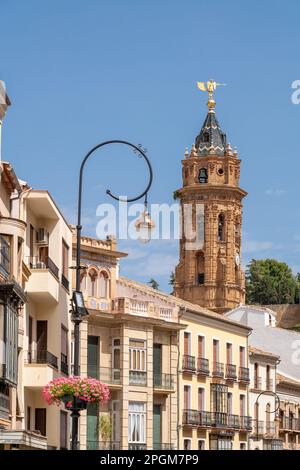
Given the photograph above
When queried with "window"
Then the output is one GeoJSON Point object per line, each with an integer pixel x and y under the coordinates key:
{"type": "Point", "coordinates": [256, 376]}
{"type": "Point", "coordinates": [229, 353]}
{"type": "Point", "coordinates": [28, 418]}
{"type": "Point", "coordinates": [103, 285]}
{"type": "Point", "coordinates": [243, 446]}
{"type": "Point", "coordinates": [229, 403]}
{"type": "Point", "coordinates": [242, 405]}
{"type": "Point", "coordinates": [116, 358]}
{"type": "Point", "coordinates": [201, 444]}
{"type": "Point", "coordinates": [137, 422]}
{"type": "Point", "coordinates": [216, 348]}
{"type": "Point", "coordinates": [64, 349]}
{"type": "Point", "coordinates": [92, 283]}
{"type": "Point", "coordinates": [201, 397]}
{"type": "Point", "coordinates": [218, 442]}
{"type": "Point", "coordinates": [205, 137]}
{"type": "Point", "coordinates": [202, 178]}
{"type": "Point", "coordinates": [115, 422]}
{"type": "Point", "coordinates": [40, 420]}
{"type": "Point", "coordinates": [186, 444]}
{"type": "Point", "coordinates": [219, 398]}
{"type": "Point", "coordinates": [4, 255]}
{"type": "Point", "coordinates": [186, 397]}
{"type": "Point", "coordinates": [187, 343]}
{"type": "Point", "coordinates": [242, 356]}
{"type": "Point", "coordinates": [65, 260]}
{"type": "Point", "coordinates": [137, 355]}
{"type": "Point", "coordinates": [201, 346]}
{"type": "Point", "coordinates": [221, 228]}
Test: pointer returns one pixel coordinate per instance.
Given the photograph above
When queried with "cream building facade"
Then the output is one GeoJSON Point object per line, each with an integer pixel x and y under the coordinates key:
{"type": "Point", "coordinates": [263, 401]}
{"type": "Point", "coordinates": [288, 390]}
{"type": "Point", "coordinates": [213, 382]}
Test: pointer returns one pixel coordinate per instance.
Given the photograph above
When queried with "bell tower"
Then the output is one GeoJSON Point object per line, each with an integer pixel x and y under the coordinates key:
{"type": "Point", "coordinates": [209, 272]}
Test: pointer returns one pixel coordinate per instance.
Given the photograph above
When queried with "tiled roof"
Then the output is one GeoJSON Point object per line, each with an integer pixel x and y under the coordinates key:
{"type": "Point", "coordinates": [211, 137]}
{"type": "Point", "coordinates": [180, 303]}
{"type": "Point", "coordinates": [287, 380]}
{"type": "Point", "coordinates": [254, 350]}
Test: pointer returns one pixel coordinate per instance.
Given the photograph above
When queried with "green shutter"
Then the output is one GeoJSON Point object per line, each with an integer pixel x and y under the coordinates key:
{"type": "Point", "coordinates": [92, 433]}
{"type": "Point", "coordinates": [93, 357]}
{"type": "Point", "coordinates": [156, 427]}
{"type": "Point", "coordinates": [157, 360]}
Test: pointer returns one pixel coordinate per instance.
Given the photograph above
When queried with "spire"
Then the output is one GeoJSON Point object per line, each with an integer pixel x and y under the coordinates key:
{"type": "Point", "coordinates": [211, 138]}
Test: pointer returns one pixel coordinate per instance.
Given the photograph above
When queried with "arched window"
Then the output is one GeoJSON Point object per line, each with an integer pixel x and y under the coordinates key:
{"type": "Point", "coordinates": [103, 285]}
{"type": "Point", "coordinates": [200, 268]}
{"type": "Point", "coordinates": [83, 286]}
{"type": "Point", "coordinates": [221, 228]}
{"type": "Point", "coordinates": [202, 178]}
{"type": "Point", "coordinates": [92, 283]}
{"type": "Point", "coordinates": [205, 137]}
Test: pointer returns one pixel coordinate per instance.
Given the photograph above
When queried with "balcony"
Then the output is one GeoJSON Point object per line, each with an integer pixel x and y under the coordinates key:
{"type": "Point", "coordinates": [136, 446]}
{"type": "Point", "coordinates": [40, 368]}
{"type": "Point", "coordinates": [43, 284]}
{"type": "Point", "coordinates": [23, 439]}
{"type": "Point", "coordinates": [218, 370]}
{"type": "Point", "coordinates": [257, 384]}
{"type": "Point", "coordinates": [4, 402]}
{"type": "Point", "coordinates": [216, 419]}
{"type": "Point", "coordinates": [137, 377]}
{"type": "Point", "coordinates": [245, 423]}
{"type": "Point", "coordinates": [269, 385]}
{"type": "Point", "coordinates": [202, 366]}
{"type": "Point", "coordinates": [273, 444]}
{"type": "Point", "coordinates": [258, 427]}
{"type": "Point", "coordinates": [144, 308]}
{"type": "Point", "coordinates": [105, 374]}
{"type": "Point", "coordinates": [64, 367]}
{"type": "Point", "coordinates": [270, 428]}
{"type": "Point", "coordinates": [4, 257]}
{"type": "Point", "coordinates": [102, 445]}
{"type": "Point", "coordinates": [230, 372]}
{"type": "Point", "coordinates": [65, 282]}
{"type": "Point", "coordinates": [163, 382]}
{"type": "Point", "coordinates": [289, 424]}
{"type": "Point", "coordinates": [244, 375]}
{"type": "Point", "coordinates": [190, 418]}
{"type": "Point", "coordinates": [188, 364]}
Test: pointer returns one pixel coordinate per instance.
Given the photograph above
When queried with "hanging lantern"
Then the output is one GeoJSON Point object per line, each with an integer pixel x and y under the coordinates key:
{"type": "Point", "coordinates": [144, 225]}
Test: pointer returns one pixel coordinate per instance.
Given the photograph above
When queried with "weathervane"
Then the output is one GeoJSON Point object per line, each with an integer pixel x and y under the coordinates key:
{"type": "Point", "coordinates": [210, 86]}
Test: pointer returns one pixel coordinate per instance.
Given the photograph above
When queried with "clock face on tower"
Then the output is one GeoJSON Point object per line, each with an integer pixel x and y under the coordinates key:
{"type": "Point", "coordinates": [237, 259]}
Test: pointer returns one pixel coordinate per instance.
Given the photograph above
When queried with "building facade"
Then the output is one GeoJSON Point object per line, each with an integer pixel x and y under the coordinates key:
{"type": "Point", "coordinates": [263, 402]}
{"type": "Point", "coordinates": [288, 391]}
{"type": "Point", "coordinates": [209, 272]}
{"type": "Point", "coordinates": [213, 382]}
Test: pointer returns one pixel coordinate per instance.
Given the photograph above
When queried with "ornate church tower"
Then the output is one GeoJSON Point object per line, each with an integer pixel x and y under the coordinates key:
{"type": "Point", "coordinates": [209, 271]}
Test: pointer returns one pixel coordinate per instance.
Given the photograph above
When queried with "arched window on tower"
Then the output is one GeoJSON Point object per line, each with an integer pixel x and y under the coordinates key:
{"type": "Point", "coordinates": [221, 228]}
{"type": "Point", "coordinates": [202, 178]}
{"type": "Point", "coordinates": [103, 285]}
{"type": "Point", "coordinates": [83, 282]}
{"type": "Point", "coordinates": [92, 283]}
{"type": "Point", "coordinates": [200, 268]}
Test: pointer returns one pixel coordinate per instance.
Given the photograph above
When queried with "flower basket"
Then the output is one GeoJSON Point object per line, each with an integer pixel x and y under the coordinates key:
{"type": "Point", "coordinates": [75, 392]}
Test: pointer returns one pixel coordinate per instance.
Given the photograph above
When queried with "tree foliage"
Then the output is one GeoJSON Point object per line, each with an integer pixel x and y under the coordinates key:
{"type": "Point", "coordinates": [271, 282]}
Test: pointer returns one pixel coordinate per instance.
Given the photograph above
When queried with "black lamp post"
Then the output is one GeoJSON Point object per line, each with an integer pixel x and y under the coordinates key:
{"type": "Point", "coordinates": [78, 308]}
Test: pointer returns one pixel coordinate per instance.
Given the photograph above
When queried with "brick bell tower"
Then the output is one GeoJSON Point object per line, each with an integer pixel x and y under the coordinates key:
{"type": "Point", "coordinates": [209, 272]}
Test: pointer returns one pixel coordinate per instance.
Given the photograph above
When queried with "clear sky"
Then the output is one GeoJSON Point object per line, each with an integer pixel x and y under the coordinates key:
{"type": "Point", "coordinates": [82, 71]}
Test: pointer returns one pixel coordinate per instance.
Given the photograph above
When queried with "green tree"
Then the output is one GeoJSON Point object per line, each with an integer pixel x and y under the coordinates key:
{"type": "Point", "coordinates": [270, 282]}
{"type": "Point", "coordinates": [172, 281]}
{"type": "Point", "coordinates": [153, 283]}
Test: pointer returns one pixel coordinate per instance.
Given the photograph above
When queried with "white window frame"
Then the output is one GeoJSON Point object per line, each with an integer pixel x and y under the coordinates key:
{"type": "Point", "coordinates": [138, 418]}
{"type": "Point", "coordinates": [140, 352]}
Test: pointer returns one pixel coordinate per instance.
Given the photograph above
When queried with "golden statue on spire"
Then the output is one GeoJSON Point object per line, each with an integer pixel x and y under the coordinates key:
{"type": "Point", "coordinates": [210, 86]}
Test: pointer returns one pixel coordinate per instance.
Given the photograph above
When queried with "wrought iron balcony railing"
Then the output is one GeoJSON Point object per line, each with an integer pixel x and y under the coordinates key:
{"type": "Point", "coordinates": [35, 262]}
{"type": "Point", "coordinates": [244, 374]}
{"type": "Point", "coordinates": [269, 385]}
{"type": "Point", "coordinates": [188, 363]}
{"type": "Point", "coordinates": [230, 372]}
{"type": "Point", "coordinates": [218, 369]}
{"type": "Point", "coordinates": [163, 381]}
{"type": "Point", "coordinates": [202, 366]}
{"type": "Point", "coordinates": [105, 374]}
{"type": "Point", "coordinates": [65, 282]}
{"type": "Point", "coordinates": [163, 446]}
{"type": "Point", "coordinates": [257, 383]}
{"type": "Point", "coordinates": [215, 419]}
{"type": "Point", "coordinates": [102, 445]}
{"type": "Point", "coordinates": [64, 366]}
{"type": "Point", "coordinates": [41, 357]}
{"type": "Point", "coordinates": [137, 377]}
{"type": "Point", "coordinates": [137, 446]}
{"type": "Point", "coordinates": [258, 427]}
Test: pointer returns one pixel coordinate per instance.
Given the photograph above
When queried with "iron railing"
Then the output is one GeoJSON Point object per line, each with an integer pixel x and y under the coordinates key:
{"type": "Point", "coordinates": [64, 366]}
{"type": "Point", "coordinates": [36, 263]}
{"type": "Point", "coordinates": [257, 383]}
{"type": "Point", "coordinates": [105, 374]}
{"type": "Point", "coordinates": [137, 377]}
{"type": "Point", "coordinates": [202, 366]}
{"type": "Point", "coordinates": [230, 372]}
{"type": "Point", "coordinates": [41, 357]}
{"type": "Point", "coordinates": [137, 446]}
{"type": "Point", "coordinates": [163, 381]}
{"type": "Point", "coordinates": [218, 369]}
{"type": "Point", "coordinates": [215, 419]}
{"type": "Point", "coordinates": [163, 446]}
{"type": "Point", "coordinates": [102, 445]}
{"type": "Point", "coordinates": [65, 282]}
{"type": "Point", "coordinates": [188, 363]}
{"type": "Point", "coordinates": [244, 374]}
{"type": "Point", "coordinates": [269, 385]}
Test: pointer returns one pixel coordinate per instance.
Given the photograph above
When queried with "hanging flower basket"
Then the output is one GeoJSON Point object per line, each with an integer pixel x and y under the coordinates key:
{"type": "Point", "coordinates": [75, 392]}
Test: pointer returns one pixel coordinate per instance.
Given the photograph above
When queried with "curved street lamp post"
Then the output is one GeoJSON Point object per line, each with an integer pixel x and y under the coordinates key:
{"type": "Point", "coordinates": [78, 308]}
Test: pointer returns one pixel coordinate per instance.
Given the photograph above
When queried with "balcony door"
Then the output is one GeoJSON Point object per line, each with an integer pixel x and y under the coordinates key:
{"type": "Point", "coordinates": [41, 340]}
{"type": "Point", "coordinates": [92, 426]}
{"type": "Point", "coordinates": [93, 356]}
{"type": "Point", "coordinates": [156, 427]}
{"type": "Point", "coordinates": [40, 420]}
{"type": "Point", "coordinates": [157, 364]}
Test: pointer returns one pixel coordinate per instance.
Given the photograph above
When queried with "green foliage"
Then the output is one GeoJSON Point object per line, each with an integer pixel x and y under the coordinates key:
{"type": "Point", "coordinates": [172, 279]}
{"type": "Point", "coordinates": [153, 283]}
{"type": "Point", "coordinates": [176, 195]}
{"type": "Point", "coordinates": [105, 427]}
{"type": "Point", "coordinates": [271, 282]}
{"type": "Point", "coordinates": [296, 327]}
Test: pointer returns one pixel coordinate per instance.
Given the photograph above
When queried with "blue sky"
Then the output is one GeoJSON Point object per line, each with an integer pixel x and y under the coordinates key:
{"type": "Point", "coordinates": [82, 71]}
